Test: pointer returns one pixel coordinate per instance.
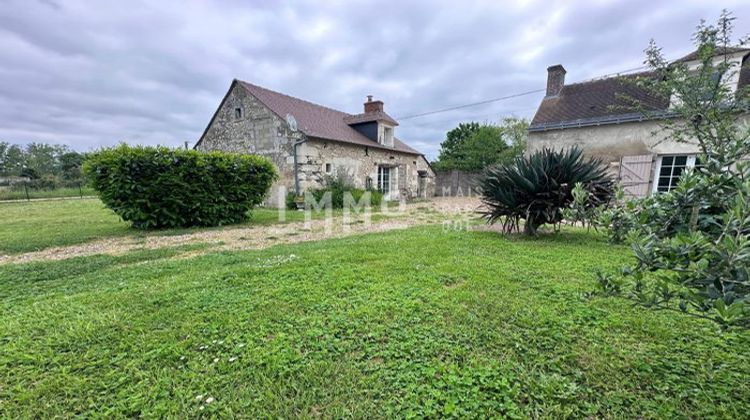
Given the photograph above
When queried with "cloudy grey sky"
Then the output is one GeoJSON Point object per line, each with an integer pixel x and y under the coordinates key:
{"type": "Point", "coordinates": [94, 73]}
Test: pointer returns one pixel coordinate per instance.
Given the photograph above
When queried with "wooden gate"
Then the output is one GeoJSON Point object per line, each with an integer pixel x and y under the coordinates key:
{"type": "Point", "coordinates": [635, 174]}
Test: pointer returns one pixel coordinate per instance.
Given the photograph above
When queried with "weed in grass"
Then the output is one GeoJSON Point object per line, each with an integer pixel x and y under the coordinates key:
{"type": "Point", "coordinates": [357, 327]}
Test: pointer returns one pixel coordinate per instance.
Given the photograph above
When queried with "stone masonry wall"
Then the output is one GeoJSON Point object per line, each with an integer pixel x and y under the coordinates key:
{"type": "Point", "coordinates": [455, 183]}
{"type": "Point", "coordinates": [611, 142]}
{"type": "Point", "coordinates": [259, 131]}
{"type": "Point", "coordinates": [359, 163]}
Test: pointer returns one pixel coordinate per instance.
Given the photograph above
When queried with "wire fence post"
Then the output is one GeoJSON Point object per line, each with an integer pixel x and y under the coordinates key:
{"type": "Point", "coordinates": [80, 189]}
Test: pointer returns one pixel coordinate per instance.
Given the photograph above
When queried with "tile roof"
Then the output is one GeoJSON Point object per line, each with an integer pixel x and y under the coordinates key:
{"type": "Point", "coordinates": [316, 120]}
{"type": "Point", "coordinates": [602, 101]}
{"type": "Point", "coordinates": [370, 117]}
{"type": "Point", "coordinates": [597, 98]}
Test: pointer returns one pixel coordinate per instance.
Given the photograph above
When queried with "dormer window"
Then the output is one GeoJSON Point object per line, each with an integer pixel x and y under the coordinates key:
{"type": "Point", "coordinates": [387, 139]}
{"type": "Point", "coordinates": [374, 123]}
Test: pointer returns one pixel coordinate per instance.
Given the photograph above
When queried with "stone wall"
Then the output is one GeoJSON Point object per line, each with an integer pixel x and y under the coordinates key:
{"type": "Point", "coordinates": [360, 163]}
{"type": "Point", "coordinates": [614, 141]}
{"type": "Point", "coordinates": [457, 183]}
{"type": "Point", "coordinates": [260, 131]}
{"type": "Point", "coordinates": [610, 142]}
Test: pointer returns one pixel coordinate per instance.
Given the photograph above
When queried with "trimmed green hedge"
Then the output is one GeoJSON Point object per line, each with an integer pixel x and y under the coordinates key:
{"type": "Point", "coordinates": [158, 187]}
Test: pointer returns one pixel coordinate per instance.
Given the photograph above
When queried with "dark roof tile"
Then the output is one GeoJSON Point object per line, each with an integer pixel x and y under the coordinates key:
{"type": "Point", "coordinates": [318, 121]}
{"type": "Point", "coordinates": [598, 98]}
{"type": "Point", "coordinates": [370, 117]}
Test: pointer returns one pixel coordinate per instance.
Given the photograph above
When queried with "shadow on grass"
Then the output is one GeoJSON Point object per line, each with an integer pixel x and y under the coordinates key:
{"type": "Point", "coordinates": [19, 274]}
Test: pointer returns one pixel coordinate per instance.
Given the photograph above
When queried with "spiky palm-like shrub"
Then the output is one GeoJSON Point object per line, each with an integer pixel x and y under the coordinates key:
{"type": "Point", "coordinates": [536, 188]}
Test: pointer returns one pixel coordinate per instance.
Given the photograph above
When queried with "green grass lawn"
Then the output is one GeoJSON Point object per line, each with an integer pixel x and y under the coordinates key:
{"type": "Point", "coordinates": [417, 323]}
{"type": "Point", "coordinates": [6, 193]}
{"type": "Point", "coordinates": [36, 225]}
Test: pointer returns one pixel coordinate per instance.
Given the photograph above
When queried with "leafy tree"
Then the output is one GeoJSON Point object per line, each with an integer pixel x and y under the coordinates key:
{"type": "Point", "coordinates": [516, 134]}
{"type": "Point", "coordinates": [41, 160]}
{"type": "Point", "coordinates": [44, 158]}
{"type": "Point", "coordinates": [691, 244]}
{"type": "Point", "coordinates": [482, 148]}
{"type": "Point", "coordinates": [472, 146]}
{"type": "Point", "coordinates": [451, 150]}
{"type": "Point", "coordinates": [12, 159]}
{"type": "Point", "coordinates": [70, 165]}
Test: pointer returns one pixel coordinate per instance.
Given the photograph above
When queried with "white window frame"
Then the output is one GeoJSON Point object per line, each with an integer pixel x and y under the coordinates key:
{"type": "Point", "coordinates": [386, 135]}
{"type": "Point", "coordinates": [384, 180]}
{"type": "Point", "coordinates": [689, 163]}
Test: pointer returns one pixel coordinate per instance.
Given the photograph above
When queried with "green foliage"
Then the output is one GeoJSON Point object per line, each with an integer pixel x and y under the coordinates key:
{"type": "Point", "coordinates": [472, 146]}
{"type": "Point", "coordinates": [290, 201]}
{"type": "Point", "coordinates": [38, 225]}
{"type": "Point", "coordinates": [357, 327]}
{"type": "Point", "coordinates": [338, 187]}
{"type": "Point", "coordinates": [39, 159]}
{"type": "Point", "coordinates": [691, 244]}
{"type": "Point", "coordinates": [538, 187]}
{"type": "Point", "coordinates": [618, 217]}
{"type": "Point", "coordinates": [451, 148]}
{"type": "Point", "coordinates": [157, 187]}
{"type": "Point", "coordinates": [48, 167]}
{"type": "Point", "coordinates": [583, 208]}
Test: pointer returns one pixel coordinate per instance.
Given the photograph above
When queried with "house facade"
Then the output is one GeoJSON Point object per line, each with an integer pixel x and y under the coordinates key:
{"type": "Point", "coordinates": [593, 116]}
{"type": "Point", "coordinates": [361, 148]}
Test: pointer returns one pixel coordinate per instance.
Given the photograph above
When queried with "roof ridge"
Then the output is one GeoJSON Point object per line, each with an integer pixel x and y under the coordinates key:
{"type": "Point", "coordinates": [611, 77]}
{"type": "Point", "coordinates": [346, 114]}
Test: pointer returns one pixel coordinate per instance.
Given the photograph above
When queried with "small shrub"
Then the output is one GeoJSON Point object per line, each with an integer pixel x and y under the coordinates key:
{"type": "Point", "coordinates": [538, 187]}
{"type": "Point", "coordinates": [340, 185]}
{"type": "Point", "coordinates": [290, 200]}
{"type": "Point", "coordinates": [582, 209]}
{"type": "Point", "coordinates": [617, 218]}
{"type": "Point", "coordinates": [158, 187]}
{"type": "Point", "coordinates": [692, 244]}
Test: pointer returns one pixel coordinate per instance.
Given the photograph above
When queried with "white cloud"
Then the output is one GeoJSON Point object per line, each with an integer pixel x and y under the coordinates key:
{"type": "Point", "coordinates": [89, 74]}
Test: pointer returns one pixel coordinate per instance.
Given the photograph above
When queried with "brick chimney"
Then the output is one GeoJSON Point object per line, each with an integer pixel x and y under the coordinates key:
{"type": "Point", "coordinates": [373, 106]}
{"type": "Point", "coordinates": [555, 79]}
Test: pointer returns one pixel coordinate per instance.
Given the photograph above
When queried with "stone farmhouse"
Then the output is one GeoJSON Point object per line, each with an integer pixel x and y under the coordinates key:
{"type": "Point", "coordinates": [592, 116]}
{"type": "Point", "coordinates": [325, 143]}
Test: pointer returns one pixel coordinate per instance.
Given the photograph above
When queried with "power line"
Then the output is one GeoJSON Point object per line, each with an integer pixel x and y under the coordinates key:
{"type": "Point", "coordinates": [475, 117]}
{"type": "Point", "coordinates": [516, 95]}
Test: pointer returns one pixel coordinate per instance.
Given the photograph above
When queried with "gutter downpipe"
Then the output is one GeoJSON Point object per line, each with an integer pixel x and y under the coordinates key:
{"type": "Point", "coordinates": [296, 168]}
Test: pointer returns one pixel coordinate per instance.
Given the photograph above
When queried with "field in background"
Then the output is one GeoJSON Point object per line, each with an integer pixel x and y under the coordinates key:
{"type": "Point", "coordinates": [37, 225]}
{"type": "Point", "coordinates": [8, 193]}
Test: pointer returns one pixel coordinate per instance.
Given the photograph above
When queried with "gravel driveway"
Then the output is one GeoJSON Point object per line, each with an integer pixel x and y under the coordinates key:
{"type": "Point", "coordinates": [434, 211]}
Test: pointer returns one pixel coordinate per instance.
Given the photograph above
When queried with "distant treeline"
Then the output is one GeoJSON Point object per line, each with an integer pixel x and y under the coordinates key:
{"type": "Point", "coordinates": [41, 165]}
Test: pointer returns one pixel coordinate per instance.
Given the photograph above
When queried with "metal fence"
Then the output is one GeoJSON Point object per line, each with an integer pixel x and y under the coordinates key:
{"type": "Point", "coordinates": [27, 191]}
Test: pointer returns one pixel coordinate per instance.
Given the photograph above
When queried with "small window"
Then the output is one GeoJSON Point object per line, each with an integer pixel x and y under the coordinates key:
{"type": "Point", "coordinates": [388, 136]}
{"type": "Point", "coordinates": [384, 179]}
{"type": "Point", "coordinates": [669, 170]}
{"type": "Point", "coordinates": [328, 168]}
{"type": "Point", "coordinates": [238, 113]}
